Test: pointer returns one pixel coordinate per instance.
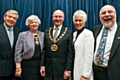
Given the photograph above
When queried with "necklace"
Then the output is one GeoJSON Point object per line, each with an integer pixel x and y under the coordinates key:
{"type": "Point", "coordinates": [54, 46]}
{"type": "Point", "coordinates": [35, 36]}
{"type": "Point", "coordinates": [36, 39]}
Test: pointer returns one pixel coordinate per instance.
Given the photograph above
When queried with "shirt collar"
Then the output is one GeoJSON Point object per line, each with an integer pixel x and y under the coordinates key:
{"type": "Point", "coordinates": [112, 28]}
{"type": "Point", "coordinates": [59, 27]}
{"type": "Point", "coordinates": [6, 27]}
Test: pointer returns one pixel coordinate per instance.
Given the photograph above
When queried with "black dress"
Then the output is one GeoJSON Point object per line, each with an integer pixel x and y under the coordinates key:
{"type": "Point", "coordinates": [31, 67]}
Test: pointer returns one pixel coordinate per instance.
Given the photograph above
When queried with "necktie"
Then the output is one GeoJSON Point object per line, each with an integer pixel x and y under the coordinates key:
{"type": "Point", "coordinates": [101, 48]}
{"type": "Point", "coordinates": [55, 33]}
{"type": "Point", "coordinates": [10, 35]}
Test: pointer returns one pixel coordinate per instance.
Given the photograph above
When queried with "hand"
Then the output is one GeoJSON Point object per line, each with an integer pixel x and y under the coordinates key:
{"type": "Point", "coordinates": [83, 78]}
{"type": "Point", "coordinates": [66, 75]}
{"type": "Point", "coordinates": [42, 72]}
{"type": "Point", "coordinates": [18, 72]}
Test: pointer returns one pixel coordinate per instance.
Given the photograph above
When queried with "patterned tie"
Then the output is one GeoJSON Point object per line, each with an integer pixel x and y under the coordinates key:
{"type": "Point", "coordinates": [10, 35]}
{"type": "Point", "coordinates": [101, 48]}
{"type": "Point", "coordinates": [56, 33]}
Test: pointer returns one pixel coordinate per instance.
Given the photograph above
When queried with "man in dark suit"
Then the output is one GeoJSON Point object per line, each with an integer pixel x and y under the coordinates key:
{"type": "Point", "coordinates": [7, 45]}
{"type": "Point", "coordinates": [107, 65]}
{"type": "Point", "coordinates": [56, 62]}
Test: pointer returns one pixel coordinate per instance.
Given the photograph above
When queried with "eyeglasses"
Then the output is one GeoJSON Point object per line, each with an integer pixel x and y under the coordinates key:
{"type": "Point", "coordinates": [107, 12]}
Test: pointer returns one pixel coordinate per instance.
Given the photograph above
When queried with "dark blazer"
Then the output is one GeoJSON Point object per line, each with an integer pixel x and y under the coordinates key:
{"type": "Point", "coordinates": [7, 65]}
{"type": "Point", "coordinates": [114, 59]}
{"type": "Point", "coordinates": [57, 62]}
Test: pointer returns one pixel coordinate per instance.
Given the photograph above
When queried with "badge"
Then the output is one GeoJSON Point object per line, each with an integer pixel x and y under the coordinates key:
{"type": "Point", "coordinates": [54, 47]}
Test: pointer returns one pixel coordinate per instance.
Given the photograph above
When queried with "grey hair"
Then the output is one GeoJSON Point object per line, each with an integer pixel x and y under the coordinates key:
{"type": "Point", "coordinates": [32, 17]}
{"type": "Point", "coordinates": [80, 13]}
{"type": "Point", "coordinates": [105, 6]}
{"type": "Point", "coordinates": [12, 12]}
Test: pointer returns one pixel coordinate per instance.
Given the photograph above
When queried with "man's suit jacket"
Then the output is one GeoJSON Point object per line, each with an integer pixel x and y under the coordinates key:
{"type": "Point", "coordinates": [7, 65]}
{"type": "Point", "coordinates": [57, 62]}
{"type": "Point", "coordinates": [25, 45]}
{"type": "Point", "coordinates": [114, 59]}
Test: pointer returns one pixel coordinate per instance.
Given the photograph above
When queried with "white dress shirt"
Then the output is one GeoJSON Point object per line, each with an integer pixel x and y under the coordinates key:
{"type": "Point", "coordinates": [109, 42]}
{"type": "Point", "coordinates": [12, 35]}
{"type": "Point", "coordinates": [59, 27]}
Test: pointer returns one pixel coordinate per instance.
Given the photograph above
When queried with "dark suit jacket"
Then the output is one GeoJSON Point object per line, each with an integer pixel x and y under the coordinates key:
{"type": "Point", "coordinates": [7, 65]}
{"type": "Point", "coordinates": [57, 62]}
{"type": "Point", "coordinates": [114, 59]}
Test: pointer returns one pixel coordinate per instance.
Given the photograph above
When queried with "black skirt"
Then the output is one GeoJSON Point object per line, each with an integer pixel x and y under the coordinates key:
{"type": "Point", "coordinates": [31, 67]}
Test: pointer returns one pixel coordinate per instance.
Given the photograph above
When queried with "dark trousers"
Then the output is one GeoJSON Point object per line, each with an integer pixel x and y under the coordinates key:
{"type": "Point", "coordinates": [10, 77]}
{"type": "Point", "coordinates": [100, 73]}
{"type": "Point", "coordinates": [17, 78]}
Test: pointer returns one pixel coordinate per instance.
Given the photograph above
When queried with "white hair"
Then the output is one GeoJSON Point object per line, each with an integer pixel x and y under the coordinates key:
{"type": "Point", "coordinates": [58, 11]}
{"type": "Point", "coordinates": [80, 13]}
{"type": "Point", "coordinates": [32, 17]}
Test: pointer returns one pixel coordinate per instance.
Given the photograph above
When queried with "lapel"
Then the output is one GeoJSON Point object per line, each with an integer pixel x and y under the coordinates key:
{"type": "Point", "coordinates": [74, 36]}
{"type": "Point", "coordinates": [51, 32]}
{"type": "Point", "coordinates": [4, 37]}
{"type": "Point", "coordinates": [116, 42]}
{"type": "Point", "coordinates": [61, 32]}
{"type": "Point", "coordinates": [15, 35]}
{"type": "Point", "coordinates": [97, 31]}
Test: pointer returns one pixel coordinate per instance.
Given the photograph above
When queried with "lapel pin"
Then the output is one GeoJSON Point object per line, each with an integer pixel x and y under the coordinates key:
{"type": "Point", "coordinates": [118, 37]}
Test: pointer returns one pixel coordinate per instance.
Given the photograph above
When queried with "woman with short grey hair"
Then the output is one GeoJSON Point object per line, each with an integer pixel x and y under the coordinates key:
{"type": "Point", "coordinates": [83, 45]}
{"type": "Point", "coordinates": [28, 50]}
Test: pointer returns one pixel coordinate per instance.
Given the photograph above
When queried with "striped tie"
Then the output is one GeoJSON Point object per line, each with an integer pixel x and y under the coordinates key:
{"type": "Point", "coordinates": [10, 35]}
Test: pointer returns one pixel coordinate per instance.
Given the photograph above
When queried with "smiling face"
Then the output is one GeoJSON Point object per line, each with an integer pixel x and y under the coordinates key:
{"type": "Point", "coordinates": [79, 23]}
{"type": "Point", "coordinates": [108, 16]}
{"type": "Point", "coordinates": [58, 18]}
{"type": "Point", "coordinates": [10, 19]}
{"type": "Point", "coordinates": [33, 25]}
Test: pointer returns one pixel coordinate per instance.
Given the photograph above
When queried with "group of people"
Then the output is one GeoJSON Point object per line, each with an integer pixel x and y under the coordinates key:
{"type": "Point", "coordinates": [58, 53]}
